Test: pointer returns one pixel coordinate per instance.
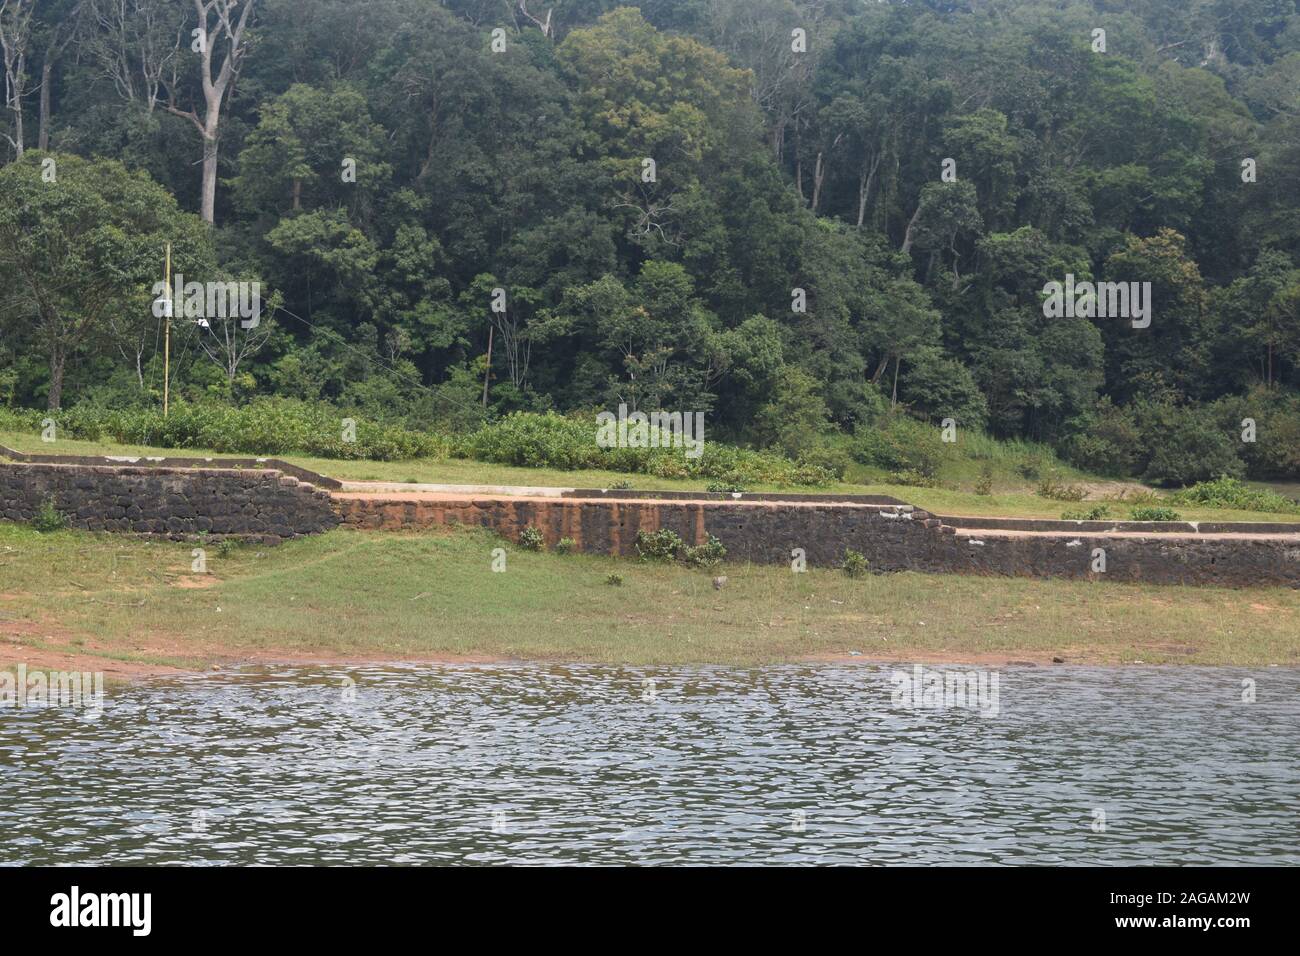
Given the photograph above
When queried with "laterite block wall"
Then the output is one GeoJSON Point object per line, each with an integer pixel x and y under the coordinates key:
{"type": "Point", "coordinates": [892, 538]}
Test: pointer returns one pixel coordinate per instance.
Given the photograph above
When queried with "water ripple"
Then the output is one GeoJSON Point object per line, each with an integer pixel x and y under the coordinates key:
{"type": "Point", "coordinates": [538, 764]}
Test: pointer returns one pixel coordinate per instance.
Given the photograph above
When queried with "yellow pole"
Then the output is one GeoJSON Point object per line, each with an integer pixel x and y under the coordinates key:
{"type": "Point", "coordinates": [167, 330]}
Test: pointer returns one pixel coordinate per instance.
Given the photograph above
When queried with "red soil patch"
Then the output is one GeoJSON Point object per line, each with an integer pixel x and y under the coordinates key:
{"type": "Point", "coordinates": [195, 581]}
{"type": "Point", "coordinates": [59, 653]}
{"type": "Point", "coordinates": [63, 651]}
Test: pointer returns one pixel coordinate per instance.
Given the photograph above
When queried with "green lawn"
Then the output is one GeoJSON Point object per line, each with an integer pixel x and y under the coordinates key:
{"type": "Point", "coordinates": [1013, 496]}
{"type": "Point", "coordinates": [386, 595]}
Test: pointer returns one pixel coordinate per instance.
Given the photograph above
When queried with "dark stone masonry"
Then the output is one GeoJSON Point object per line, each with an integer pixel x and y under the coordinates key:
{"type": "Point", "coordinates": [892, 537]}
{"type": "Point", "coordinates": [265, 505]}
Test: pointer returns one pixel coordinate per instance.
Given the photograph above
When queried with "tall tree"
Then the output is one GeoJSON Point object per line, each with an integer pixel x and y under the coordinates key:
{"type": "Point", "coordinates": [136, 44]}
{"type": "Point", "coordinates": [57, 27]}
{"type": "Point", "coordinates": [15, 38]}
{"type": "Point", "coordinates": [221, 24]}
{"type": "Point", "coordinates": [83, 245]}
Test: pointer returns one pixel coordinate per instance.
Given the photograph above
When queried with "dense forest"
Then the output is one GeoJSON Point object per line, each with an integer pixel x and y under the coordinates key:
{"type": "Point", "coordinates": [797, 217]}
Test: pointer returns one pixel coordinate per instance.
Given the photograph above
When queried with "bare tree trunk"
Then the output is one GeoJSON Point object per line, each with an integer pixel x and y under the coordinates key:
{"type": "Point", "coordinates": [798, 160]}
{"type": "Point", "coordinates": [819, 174]}
{"type": "Point", "coordinates": [58, 359]}
{"type": "Point", "coordinates": [15, 35]}
{"type": "Point", "coordinates": [43, 133]}
{"type": "Point", "coordinates": [209, 195]}
{"type": "Point", "coordinates": [215, 87]}
{"type": "Point", "coordinates": [428, 155]}
{"type": "Point", "coordinates": [864, 188]}
{"type": "Point", "coordinates": [911, 224]}
{"type": "Point", "coordinates": [487, 374]}
{"type": "Point", "coordinates": [63, 34]}
{"type": "Point", "coordinates": [18, 126]}
{"type": "Point", "coordinates": [543, 25]}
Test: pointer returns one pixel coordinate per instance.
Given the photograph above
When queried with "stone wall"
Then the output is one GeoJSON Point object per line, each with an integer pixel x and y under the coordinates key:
{"type": "Point", "coordinates": [1156, 558]}
{"type": "Point", "coordinates": [266, 505]}
{"type": "Point", "coordinates": [893, 538]}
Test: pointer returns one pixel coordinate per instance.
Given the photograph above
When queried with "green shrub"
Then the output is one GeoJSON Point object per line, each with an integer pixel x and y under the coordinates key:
{"type": "Point", "coordinates": [661, 545]}
{"type": "Point", "coordinates": [1108, 442]}
{"type": "Point", "coordinates": [1173, 444]}
{"type": "Point", "coordinates": [81, 423]}
{"type": "Point", "coordinates": [813, 476]}
{"type": "Point", "coordinates": [898, 443]}
{"type": "Point", "coordinates": [565, 546]}
{"type": "Point", "coordinates": [1052, 487]}
{"type": "Point", "coordinates": [281, 426]}
{"type": "Point", "coordinates": [21, 419]}
{"type": "Point", "coordinates": [1154, 514]}
{"type": "Point", "coordinates": [724, 487]}
{"type": "Point", "coordinates": [1030, 467]}
{"type": "Point", "coordinates": [666, 545]}
{"type": "Point", "coordinates": [614, 579]}
{"type": "Point", "coordinates": [531, 539]}
{"type": "Point", "coordinates": [555, 441]}
{"type": "Point", "coordinates": [1099, 513]}
{"type": "Point", "coordinates": [794, 414]}
{"type": "Point", "coordinates": [48, 517]}
{"type": "Point", "coordinates": [745, 467]}
{"type": "Point", "coordinates": [830, 459]}
{"type": "Point", "coordinates": [265, 426]}
{"type": "Point", "coordinates": [1225, 492]}
{"type": "Point", "coordinates": [1275, 452]}
{"type": "Point", "coordinates": [707, 555]}
{"type": "Point", "coordinates": [1185, 444]}
{"type": "Point", "coordinates": [536, 441]}
{"type": "Point", "coordinates": [913, 479]}
{"type": "Point", "coordinates": [855, 563]}
{"type": "Point", "coordinates": [984, 485]}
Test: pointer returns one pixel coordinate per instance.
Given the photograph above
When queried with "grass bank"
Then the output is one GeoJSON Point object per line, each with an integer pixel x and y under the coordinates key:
{"type": "Point", "coordinates": [94, 598]}
{"type": "Point", "coordinates": [1012, 495]}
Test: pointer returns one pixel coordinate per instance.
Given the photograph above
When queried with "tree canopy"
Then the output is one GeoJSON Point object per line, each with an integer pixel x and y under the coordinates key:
{"type": "Point", "coordinates": [774, 211]}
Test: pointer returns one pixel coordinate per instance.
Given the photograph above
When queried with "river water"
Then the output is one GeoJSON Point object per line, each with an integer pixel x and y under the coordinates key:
{"type": "Point", "coordinates": [534, 764]}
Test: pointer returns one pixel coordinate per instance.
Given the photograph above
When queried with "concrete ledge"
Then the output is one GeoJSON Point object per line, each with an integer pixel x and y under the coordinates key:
{"type": "Point", "coordinates": [420, 488]}
{"type": "Point", "coordinates": [624, 494]}
{"type": "Point", "coordinates": [1102, 527]}
{"type": "Point", "coordinates": [147, 461]}
{"type": "Point", "coordinates": [619, 494]}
